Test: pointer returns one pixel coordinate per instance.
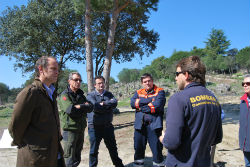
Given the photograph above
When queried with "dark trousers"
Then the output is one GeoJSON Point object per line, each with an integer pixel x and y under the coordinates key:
{"type": "Point", "coordinates": [140, 141]}
{"type": "Point", "coordinates": [72, 144]}
{"type": "Point", "coordinates": [247, 158]}
{"type": "Point", "coordinates": [95, 137]}
{"type": "Point", "coordinates": [60, 163]}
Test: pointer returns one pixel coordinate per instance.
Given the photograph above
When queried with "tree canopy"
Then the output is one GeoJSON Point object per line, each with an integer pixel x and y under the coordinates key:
{"type": "Point", "coordinates": [42, 28]}
{"type": "Point", "coordinates": [243, 58]}
{"type": "Point", "coordinates": [128, 75]}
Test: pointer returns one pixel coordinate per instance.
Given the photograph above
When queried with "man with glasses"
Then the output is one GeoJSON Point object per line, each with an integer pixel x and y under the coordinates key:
{"type": "Point", "coordinates": [73, 107]}
{"type": "Point", "coordinates": [193, 118]}
{"type": "Point", "coordinates": [100, 123]}
{"type": "Point", "coordinates": [244, 131]}
{"type": "Point", "coordinates": [148, 103]}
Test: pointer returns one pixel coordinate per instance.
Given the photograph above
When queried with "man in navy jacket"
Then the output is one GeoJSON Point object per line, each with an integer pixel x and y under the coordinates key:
{"type": "Point", "coordinates": [244, 134]}
{"type": "Point", "coordinates": [149, 104]}
{"type": "Point", "coordinates": [100, 123]}
{"type": "Point", "coordinates": [193, 118]}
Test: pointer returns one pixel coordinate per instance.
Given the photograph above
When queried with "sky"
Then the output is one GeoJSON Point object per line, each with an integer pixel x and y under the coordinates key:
{"type": "Point", "coordinates": [181, 24]}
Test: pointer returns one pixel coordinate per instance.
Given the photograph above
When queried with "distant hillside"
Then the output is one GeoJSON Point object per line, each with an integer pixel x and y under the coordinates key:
{"type": "Point", "coordinates": [221, 85]}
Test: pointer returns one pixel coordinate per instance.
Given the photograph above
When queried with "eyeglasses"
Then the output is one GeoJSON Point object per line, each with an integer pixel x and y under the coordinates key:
{"type": "Point", "coordinates": [247, 83]}
{"type": "Point", "coordinates": [178, 73]}
{"type": "Point", "coordinates": [76, 80]}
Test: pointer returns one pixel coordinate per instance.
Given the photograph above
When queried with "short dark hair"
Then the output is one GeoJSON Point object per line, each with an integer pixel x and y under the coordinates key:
{"type": "Point", "coordinates": [42, 61]}
{"type": "Point", "coordinates": [146, 75]}
{"type": "Point", "coordinates": [194, 67]}
{"type": "Point", "coordinates": [99, 77]}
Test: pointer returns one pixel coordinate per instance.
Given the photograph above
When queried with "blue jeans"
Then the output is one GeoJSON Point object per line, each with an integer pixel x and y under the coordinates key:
{"type": "Point", "coordinates": [95, 137]}
{"type": "Point", "coordinates": [140, 141]}
{"type": "Point", "coordinates": [247, 158]}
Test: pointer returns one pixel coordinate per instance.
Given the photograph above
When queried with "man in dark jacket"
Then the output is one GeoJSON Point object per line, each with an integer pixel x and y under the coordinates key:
{"type": "Point", "coordinates": [244, 134]}
{"type": "Point", "coordinates": [193, 118]}
{"type": "Point", "coordinates": [35, 125]}
{"type": "Point", "coordinates": [149, 104]}
{"type": "Point", "coordinates": [100, 123]}
{"type": "Point", "coordinates": [73, 107]}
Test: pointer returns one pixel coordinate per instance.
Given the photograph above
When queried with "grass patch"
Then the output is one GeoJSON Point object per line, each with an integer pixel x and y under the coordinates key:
{"type": "Point", "coordinates": [210, 84]}
{"type": "Point", "coordinates": [5, 116]}
{"type": "Point", "coordinates": [124, 103]}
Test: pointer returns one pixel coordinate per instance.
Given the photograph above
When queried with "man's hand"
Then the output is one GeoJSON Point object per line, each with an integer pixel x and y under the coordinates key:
{"type": "Point", "coordinates": [77, 106]}
{"type": "Point", "coordinates": [162, 136]}
{"type": "Point", "coordinates": [101, 103]}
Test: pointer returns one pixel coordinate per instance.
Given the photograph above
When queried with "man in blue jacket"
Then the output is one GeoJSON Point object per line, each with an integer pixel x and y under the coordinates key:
{"type": "Point", "coordinates": [244, 134]}
{"type": "Point", "coordinates": [193, 118]}
{"type": "Point", "coordinates": [149, 106]}
{"type": "Point", "coordinates": [100, 123]}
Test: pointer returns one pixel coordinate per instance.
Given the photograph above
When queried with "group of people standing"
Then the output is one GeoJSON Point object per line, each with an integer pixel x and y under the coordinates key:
{"type": "Point", "coordinates": [193, 120]}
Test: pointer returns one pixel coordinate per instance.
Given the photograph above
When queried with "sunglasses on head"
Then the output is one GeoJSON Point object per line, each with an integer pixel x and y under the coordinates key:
{"type": "Point", "coordinates": [247, 83]}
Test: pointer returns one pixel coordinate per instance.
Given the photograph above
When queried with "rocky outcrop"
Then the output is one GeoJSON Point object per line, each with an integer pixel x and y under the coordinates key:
{"type": "Point", "coordinates": [219, 84]}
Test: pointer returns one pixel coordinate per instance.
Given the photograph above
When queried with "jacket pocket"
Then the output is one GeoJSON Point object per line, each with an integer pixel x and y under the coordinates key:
{"type": "Point", "coordinates": [39, 155]}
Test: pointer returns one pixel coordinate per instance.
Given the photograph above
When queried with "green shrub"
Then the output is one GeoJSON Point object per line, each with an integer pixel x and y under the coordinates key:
{"type": "Point", "coordinates": [6, 112]}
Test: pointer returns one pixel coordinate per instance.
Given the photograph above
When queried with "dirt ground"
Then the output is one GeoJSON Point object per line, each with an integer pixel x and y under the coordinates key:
{"type": "Point", "coordinates": [227, 153]}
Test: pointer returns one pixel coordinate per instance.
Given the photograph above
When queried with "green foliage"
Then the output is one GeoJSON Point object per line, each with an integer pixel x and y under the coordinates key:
{"type": "Point", "coordinates": [243, 58]}
{"type": "Point", "coordinates": [5, 116]}
{"type": "Point", "coordinates": [149, 69]}
{"type": "Point", "coordinates": [129, 75]}
{"type": "Point", "coordinates": [49, 27]}
{"type": "Point", "coordinates": [159, 68]}
{"type": "Point", "coordinates": [239, 74]}
{"type": "Point", "coordinates": [6, 112]}
{"type": "Point", "coordinates": [132, 37]}
{"type": "Point", "coordinates": [178, 55]}
{"type": "Point", "coordinates": [112, 80]}
{"type": "Point", "coordinates": [217, 43]}
{"type": "Point", "coordinates": [197, 52]}
{"type": "Point", "coordinates": [13, 94]}
{"type": "Point", "coordinates": [63, 80]}
{"type": "Point", "coordinates": [4, 92]}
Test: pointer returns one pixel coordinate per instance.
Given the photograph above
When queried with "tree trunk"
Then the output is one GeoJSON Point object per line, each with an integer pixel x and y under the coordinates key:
{"type": "Point", "coordinates": [110, 43]}
{"type": "Point", "coordinates": [88, 45]}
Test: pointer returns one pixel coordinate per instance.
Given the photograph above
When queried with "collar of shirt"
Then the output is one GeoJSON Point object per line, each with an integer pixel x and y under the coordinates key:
{"type": "Point", "coordinates": [101, 94]}
{"type": "Point", "coordinates": [50, 90]}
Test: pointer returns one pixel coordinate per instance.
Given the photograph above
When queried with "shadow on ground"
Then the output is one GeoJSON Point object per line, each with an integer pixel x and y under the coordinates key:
{"type": "Point", "coordinates": [124, 125]}
{"type": "Point", "coordinates": [232, 112]}
{"type": "Point", "coordinates": [220, 164]}
{"type": "Point", "coordinates": [148, 162]}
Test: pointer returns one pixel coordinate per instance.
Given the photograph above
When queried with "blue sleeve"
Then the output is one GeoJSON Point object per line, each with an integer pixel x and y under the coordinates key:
{"type": "Point", "coordinates": [174, 124]}
{"type": "Point", "coordinates": [111, 103]}
{"type": "Point", "coordinates": [160, 101]}
{"type": "Point", "coordinates": [133, 99]}
{"type": "Point", "coordinates": [96, 105]}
